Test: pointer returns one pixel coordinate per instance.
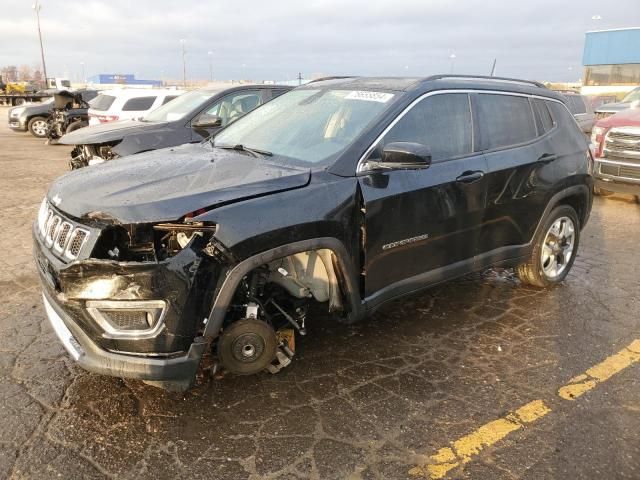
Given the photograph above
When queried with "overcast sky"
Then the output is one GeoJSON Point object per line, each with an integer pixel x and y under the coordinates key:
{"type": "Point", "coordinates": [541, 39]}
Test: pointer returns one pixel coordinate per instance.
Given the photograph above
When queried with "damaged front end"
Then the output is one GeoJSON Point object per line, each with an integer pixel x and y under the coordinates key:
{"type": "Point", "coordinates": [133, 297]}
{"type": "Point", "coordinates": [85, 155]}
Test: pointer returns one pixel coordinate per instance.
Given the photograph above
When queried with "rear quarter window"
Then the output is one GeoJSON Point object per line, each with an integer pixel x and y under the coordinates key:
{"type": "Point", "coordinates": [102, 102]}
{"type": "Point", "coordinates": [138, 104]}
{"type": "Point", "coordinates": [504, 120]}
{"type": "Point", "coordinates": [542, 116]}
{"type": "Point", "coordinates": [576, 104]}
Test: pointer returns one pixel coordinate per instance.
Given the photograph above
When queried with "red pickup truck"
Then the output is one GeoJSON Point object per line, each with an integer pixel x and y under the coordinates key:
{"type": "Point", "coordinates": [616, 150]}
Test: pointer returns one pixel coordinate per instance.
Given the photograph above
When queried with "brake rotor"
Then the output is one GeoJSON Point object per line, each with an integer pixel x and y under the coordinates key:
{"type": "Point", "coordinates": [247, 346]}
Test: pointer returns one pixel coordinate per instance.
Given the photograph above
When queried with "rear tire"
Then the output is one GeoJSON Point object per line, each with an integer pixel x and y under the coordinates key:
{"type": "Point", "coordinates": [37, 126]}
{"type": "Point", "coordinates": [554, 249]}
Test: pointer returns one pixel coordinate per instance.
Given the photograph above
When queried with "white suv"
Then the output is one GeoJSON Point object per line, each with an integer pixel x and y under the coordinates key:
{"type": "Point", "coordinates": [127, 104]}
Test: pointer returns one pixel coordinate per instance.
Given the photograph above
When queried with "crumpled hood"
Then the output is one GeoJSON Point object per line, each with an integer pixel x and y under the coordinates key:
{"type": "Point", "coordinates": [110, 132]}
{"type": "Point", "coordinates": [165, 185]}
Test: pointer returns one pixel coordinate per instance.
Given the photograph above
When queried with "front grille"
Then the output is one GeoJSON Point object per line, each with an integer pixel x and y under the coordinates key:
{"type": "Point", "coordinates": [620, 143]}
{"type": "Point", "coordinates": [60, 234]}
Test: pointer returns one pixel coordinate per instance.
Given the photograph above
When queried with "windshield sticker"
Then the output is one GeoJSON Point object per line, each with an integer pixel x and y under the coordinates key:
{"type": "Point", "coordinates": [370, 96]}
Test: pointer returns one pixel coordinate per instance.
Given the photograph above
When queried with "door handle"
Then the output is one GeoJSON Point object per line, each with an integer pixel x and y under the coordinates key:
{"type": "Point", "coordinates": [470, 177]}
{"type": "Point", "coordinates": [547, 158]}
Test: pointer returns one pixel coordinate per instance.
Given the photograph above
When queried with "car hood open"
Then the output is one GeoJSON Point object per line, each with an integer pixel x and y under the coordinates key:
{"type": "Point", "coordinates": [109, 132]}
{"type": "Point", "coordinates": [165, 185]}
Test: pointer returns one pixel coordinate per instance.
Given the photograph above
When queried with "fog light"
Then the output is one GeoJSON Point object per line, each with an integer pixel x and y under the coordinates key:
{"type": "Point", "coordinates": [128, 319]}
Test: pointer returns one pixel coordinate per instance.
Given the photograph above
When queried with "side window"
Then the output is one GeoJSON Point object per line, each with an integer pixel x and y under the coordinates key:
{"type": "Point", "coordinates": [504, 120]}
{"type": "Point", "coordinates": [234, 106]}
{"type": "Point", "coordinates": [561, 115]}
{"type": "Point", "coordinates": [442, 122]}
{"type": "Point", "coordinates": [576, 104]}
{"type": "Point", "coordinates": [544, 122]}
{"type": "Point", "coordinates": [138, 104]}
{"type": "Point", "coordinates": [168, 98]}
{"type": "Point", "coordinates": [276, 92]}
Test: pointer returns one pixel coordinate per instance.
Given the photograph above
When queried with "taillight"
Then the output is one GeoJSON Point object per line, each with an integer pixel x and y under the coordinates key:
{"type": "Point", "coordinates": [597, 140]}
{"type": "Point", "coordinates": [106, 118]}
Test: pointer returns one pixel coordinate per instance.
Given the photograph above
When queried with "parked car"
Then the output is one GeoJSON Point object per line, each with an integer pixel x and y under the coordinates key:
{"type": "Point", "coordinates": [191, 117]}
{"type": "Point", "coordinates": [69, 112]}
{"type": "Point", "coordinates": [582, 111]}
{"type": "Point", "coordinates": [31, 117]}
{"type": "Point", "coordinates": [344, 194]}
{"type": "Point", "coordinates": [128, 104]}
{"type": "Point", "coordinates": [608, 109]}
{"type": "Point", "coordinates": [616, 148]}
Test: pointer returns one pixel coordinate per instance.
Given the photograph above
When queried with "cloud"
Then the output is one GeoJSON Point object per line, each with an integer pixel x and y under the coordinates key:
{"type": "Point", "coordinates": [275, 40]}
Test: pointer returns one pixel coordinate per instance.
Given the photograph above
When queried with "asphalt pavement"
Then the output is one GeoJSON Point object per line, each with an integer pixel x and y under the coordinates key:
{"type": "Point", "coordinates": [481, 378]}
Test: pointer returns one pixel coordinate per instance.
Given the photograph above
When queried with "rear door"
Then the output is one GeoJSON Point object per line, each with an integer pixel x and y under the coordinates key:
{"type": "Point", "coordinates": [513, 131]}
{"type": "Point", "coordinates": [426, 220]}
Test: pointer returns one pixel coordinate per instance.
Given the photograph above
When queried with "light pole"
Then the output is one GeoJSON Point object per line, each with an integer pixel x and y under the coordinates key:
{"type": "Point", "coordinates": [37, 8]}
{"type": "Point", "coordinates": [210, 53]}
{"type": "Point", "coordinates": [84, 77]}
{"type": "Point", "coordinates": [184, 64]}
{"type": "Point", "coordinates": [452, 57]}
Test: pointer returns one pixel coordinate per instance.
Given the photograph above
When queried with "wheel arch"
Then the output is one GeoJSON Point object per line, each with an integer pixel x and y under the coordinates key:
{"type": "Point", "coordinates": [227, 285]}
{"type": "Point", "coordinates": [579, 197]}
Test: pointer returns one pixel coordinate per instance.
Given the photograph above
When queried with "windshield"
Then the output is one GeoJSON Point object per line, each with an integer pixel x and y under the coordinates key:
{"type": "Point", "coordinates": [179, 107]}
{"type": "Point", "coordinates": [632, 96]}
{"type": "Point", "coordinates": [307, 125]}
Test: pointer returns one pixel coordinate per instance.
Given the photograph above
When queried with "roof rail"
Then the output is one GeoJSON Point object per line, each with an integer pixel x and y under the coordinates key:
{"type": "Point", "coordinates": [335, 77]}
{"type": "Point", "coordinates": [483, 77]}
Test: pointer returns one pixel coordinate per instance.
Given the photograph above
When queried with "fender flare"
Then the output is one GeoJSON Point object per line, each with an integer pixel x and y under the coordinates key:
{"type": "Point", "coordinates": [582, 190]}
{"type": "Point", "coordinates": [347, 278]}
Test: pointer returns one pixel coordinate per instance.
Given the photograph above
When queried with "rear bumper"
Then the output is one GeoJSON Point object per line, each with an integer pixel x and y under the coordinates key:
{"type": "Point", "coordinates": [180, 370]}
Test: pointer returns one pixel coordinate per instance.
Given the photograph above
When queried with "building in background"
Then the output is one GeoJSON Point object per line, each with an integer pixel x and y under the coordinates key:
{"type": "Point", "coordinates": [128, 80]}
{"type": "Point", "coordinates": [611, 61]}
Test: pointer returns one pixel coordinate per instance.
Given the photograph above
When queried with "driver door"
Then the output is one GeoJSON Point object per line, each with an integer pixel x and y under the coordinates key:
{"type": "Point", "coordinates": [223, 112]}
{"type": "Point", "coordinates": [423, 225]}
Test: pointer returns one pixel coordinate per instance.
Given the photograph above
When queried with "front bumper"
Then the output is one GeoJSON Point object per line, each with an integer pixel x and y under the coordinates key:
{"type": "Point", "coordinates": [91, 357]}
{"type": "Point", "coordinates": [18, 124]}
{"type": "Point", "coordinates": [617, 176]}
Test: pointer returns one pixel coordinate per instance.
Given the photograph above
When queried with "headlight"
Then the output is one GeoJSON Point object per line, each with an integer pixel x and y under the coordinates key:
{"type": "Point", "coordinates": [16, 112]}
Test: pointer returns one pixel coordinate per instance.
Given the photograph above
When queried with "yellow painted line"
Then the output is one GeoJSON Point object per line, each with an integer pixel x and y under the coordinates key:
{"type": "Point", "coordinates": [465, 448]}
{"type": "Point", "coordinates": [601, 372]}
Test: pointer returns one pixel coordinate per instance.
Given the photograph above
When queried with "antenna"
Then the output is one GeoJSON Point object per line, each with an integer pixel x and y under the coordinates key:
{"type": "Point", "coordinates": [493, 68]}
{"type": "Point", "coordinates": [299, 78]}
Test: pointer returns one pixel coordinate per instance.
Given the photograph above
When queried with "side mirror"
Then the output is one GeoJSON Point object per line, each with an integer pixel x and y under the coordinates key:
{"type": "Point", "coordinates": [207, 121]}
{"type": "Point", "coordinates": [403, 155]}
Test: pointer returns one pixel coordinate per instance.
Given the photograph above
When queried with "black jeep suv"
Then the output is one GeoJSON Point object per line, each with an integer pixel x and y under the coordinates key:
{"type": "Point", "coordinates": [342, 194]}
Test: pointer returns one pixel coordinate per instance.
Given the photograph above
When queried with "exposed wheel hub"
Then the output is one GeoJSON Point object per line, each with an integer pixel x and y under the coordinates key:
{"type": "Point", "coordinates": [247, 346]}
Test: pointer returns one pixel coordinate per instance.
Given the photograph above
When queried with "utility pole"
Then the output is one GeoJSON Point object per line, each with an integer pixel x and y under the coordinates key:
{"type": "Point", "coordinates": [37, 8]}
{"type": "Point", "coordinates": [210, 53]}
{"type": "Point", "coordinates": [184, 64]}
{"type": "Point", "coordinates": [299, 78]}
